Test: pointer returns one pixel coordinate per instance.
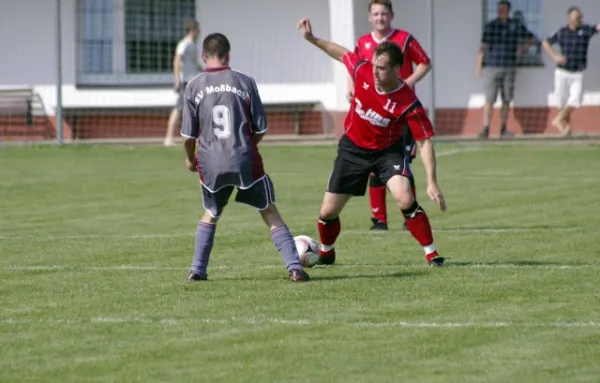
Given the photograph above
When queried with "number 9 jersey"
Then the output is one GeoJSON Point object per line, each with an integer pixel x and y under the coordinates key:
{"type": "Point", "coordinates": [375, 120]}
{"type": "Point", "coordinates": [223, 111]}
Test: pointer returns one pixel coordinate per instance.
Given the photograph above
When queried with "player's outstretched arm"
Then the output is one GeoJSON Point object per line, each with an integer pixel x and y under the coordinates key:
{"type": "Point", "coordinates": [334, 50]}
{"type": "Point", "coordinates": [427, 153]}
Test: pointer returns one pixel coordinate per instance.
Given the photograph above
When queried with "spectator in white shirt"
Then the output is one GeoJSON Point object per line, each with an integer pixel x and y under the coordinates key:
{"type": "Point", "coordinates": [186, 65]}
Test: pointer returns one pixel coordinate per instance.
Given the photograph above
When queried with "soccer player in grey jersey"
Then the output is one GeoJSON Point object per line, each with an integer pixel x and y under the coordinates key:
{"type": "Point", "coordinates": [224, 115]}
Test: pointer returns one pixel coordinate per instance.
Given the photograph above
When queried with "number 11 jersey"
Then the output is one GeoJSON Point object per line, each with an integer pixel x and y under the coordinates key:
{"type": "Point", "coordinates": [376, 120]}
{"type": "Point", "coordinates": [223, 111]}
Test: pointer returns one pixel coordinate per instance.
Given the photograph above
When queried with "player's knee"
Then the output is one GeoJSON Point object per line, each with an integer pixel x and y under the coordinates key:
{"type": "Point", "coordinates": [405, 200]}
{"type": "Point", "coordinates": [328, 214]}
{"type": "Point", "coordinates": [403, 197]}
{"type": "Point", "coordinates": [412, 210]}
{"type": "Point", "coordinates": [209, 218]}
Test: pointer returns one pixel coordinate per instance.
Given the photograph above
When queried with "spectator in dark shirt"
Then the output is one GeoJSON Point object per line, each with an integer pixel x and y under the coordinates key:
{"type": "Point", "coordinates": [498, 54]}
{"type": "Point", "coordinates": [574, 41]}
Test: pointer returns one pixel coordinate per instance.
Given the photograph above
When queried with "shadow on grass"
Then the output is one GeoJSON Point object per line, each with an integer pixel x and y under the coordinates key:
{"type": "Point", "coordinates": [318, 277]}
{"type": "Point", "coordinates": [399, 274]}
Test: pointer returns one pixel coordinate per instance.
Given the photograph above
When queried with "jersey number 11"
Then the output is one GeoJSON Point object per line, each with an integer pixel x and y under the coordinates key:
{"type": "Point", "coordinates": [390, 106]}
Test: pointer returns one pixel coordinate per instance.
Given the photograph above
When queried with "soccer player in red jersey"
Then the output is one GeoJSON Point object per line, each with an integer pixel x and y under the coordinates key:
{"type": "Point", "coordinates": [372, 143]}
{"type": "Point", "coordinates": [381, 15]}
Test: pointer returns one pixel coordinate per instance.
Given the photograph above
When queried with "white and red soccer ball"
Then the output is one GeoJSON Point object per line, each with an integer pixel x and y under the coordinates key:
{"type": "Point", "coordinates": [308, 250]}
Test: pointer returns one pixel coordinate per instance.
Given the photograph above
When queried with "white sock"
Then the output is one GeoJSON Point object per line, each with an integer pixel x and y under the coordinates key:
{"type": "Point", "coordinates": [429, 249]}
{"type": "Point", "coordinates": [326, 248]}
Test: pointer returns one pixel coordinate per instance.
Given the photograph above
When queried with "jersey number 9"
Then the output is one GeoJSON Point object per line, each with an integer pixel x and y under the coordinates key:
{"type": "Point", "coordinates": [222, 121]}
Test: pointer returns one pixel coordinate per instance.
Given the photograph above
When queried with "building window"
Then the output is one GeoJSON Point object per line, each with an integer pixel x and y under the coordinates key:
{"type": "Point", "coordinates": [129, 42]}
{"type": "Point", "coordinates": [96, 37]}
{"type": "Point", "coordinates": [153, 28]}
{"type": "Point", "coordinates": [529, 13]}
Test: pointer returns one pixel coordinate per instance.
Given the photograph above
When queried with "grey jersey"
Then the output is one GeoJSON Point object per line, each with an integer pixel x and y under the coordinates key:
{"type": "Point", "coordinates": [223, 111]}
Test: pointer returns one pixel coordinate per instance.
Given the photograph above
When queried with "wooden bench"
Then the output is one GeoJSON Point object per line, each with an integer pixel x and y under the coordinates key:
{"type": "Point", "coordinates": [22, 115]}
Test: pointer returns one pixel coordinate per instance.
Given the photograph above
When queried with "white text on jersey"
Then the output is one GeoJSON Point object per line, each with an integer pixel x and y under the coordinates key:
{"type": "Point", "coordinates": [220, 88]}
{"type": "Point", "coordinates": [370, 115]}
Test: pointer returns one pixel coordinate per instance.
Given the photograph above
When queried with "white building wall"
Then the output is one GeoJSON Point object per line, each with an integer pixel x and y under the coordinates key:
{"type": "Point", "coordinates": [266, 44]}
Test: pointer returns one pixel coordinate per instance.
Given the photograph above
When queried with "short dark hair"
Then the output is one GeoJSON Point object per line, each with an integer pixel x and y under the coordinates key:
{"type": "Point", "coordinates": [191, 25]}
{"type": "Point", "coordinates": [385, 3]}
{"type": "Point", "coordinates": [393, 51]}
{"type": "Point", "coordinates": [572, 9]}
{"type": "Point", "coordinates": [216, 45]}
{"type": "Point", "coordinates": [505, 2]}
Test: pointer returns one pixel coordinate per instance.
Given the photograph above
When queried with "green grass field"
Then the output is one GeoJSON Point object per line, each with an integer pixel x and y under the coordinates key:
{"type": "Point", "coordinates": [96, 242]}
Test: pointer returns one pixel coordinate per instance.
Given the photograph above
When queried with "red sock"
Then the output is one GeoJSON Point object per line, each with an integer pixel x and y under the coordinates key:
{"type": "Point", "coordinates": [328, 233]}
{"type": "Point", "coordinates": [378, 206]}
{"type": "Point", "coordinates": [418, 225]}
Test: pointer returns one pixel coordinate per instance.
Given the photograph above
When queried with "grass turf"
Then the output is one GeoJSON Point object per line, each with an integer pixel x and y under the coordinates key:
{"type": "Point", "coordinates": [95, 245]}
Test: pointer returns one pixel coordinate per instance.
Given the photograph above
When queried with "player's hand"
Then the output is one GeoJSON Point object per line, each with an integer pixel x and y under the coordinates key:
{"type": "Point", "coordinates": [191, 164]}
{"type": "Point", "coordinates": [306, 29]}
{"type": "Point", "coordinates": [435, 194]}
{"type": "Point", "coordinates": [560, 59]}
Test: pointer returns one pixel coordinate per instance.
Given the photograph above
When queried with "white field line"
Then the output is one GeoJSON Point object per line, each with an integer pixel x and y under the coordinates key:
{"type": "Point", "coordinates": [258, 321]}
{"type": "Point", "coordinates": [452, 152]}
{"type": "Point", "coordinates": [244, 266]}
{"type": "Point", "coordinates": [457, 230]}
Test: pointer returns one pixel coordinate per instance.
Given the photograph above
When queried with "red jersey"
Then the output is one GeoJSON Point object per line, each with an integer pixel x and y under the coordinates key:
{"type": "Point", "coordinates": [413, 52]}
{"type": "Point", "coordinates": [375, 120]}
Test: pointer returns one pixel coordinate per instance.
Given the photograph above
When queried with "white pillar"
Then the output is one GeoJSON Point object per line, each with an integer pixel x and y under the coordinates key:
{"type": "Point", "coordinates": [341, 26]}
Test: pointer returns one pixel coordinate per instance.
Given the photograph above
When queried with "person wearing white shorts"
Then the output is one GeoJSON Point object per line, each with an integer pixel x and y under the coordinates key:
{"type": "Point", "coordinates": [573, 40]}
{"type": "Point", "coordinates": [568, 88]}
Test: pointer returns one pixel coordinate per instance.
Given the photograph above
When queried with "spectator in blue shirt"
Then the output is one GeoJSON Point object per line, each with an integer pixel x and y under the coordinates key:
{"type": "Point", "coordinates": [498, 54]}
{"type": "Point", "coordinates": [574, 41]}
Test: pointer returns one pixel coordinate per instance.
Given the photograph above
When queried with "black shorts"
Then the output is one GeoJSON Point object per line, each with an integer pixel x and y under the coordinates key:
{"type": "Point", "coordinates": [353, 165]}
{"type": "Point", "coordinates": [259, 196]}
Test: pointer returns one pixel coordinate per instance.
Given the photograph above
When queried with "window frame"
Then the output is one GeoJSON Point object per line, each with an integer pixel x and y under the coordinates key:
{"type": "Point", "coordinates": [486, 17]}
{"type": "Point", "coordinates": [119, 76]}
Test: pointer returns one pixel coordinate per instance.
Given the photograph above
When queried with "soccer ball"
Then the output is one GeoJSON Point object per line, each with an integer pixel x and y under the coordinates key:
{"type": "Point", "coordinates": [308, 250]}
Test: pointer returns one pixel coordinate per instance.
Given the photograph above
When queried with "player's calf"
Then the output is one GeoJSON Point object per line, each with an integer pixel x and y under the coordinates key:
{"type": "Point", "coordinates": [419, 227]}
{"type": "Point", "coordinates": [377, 196]}
{"type": "Point", "coordinates": [284, 242]}
{"type": "Point", "coordinates": [205, 235]}
{"type": "Point", "coordinates": [329, 230]}
{"type": "Point", "coordinates": [329, 225]}
{"type": "Point", "coordinates": [415, 217]}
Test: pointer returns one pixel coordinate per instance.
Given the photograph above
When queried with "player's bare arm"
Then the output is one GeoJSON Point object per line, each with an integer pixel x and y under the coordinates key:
{"type": "Point", "coordinates": [480, 57]}
{"type": "Point", "coordinates": [189, 145]}
{"type": "Point", "coordinates": [558, 58]}
{"type": "Point", "coordinates": [177, 71]}
{"type": "Point", "coordinates": [419, 57]}
{"type": "Point", "coordinates": [420, 71]}
{"type": "Point", "coordinates": [334, 50]}
{"type": "Point", "coordinates": [529, 43]}
{"type": "Point", "coordinates": [429, 163]}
